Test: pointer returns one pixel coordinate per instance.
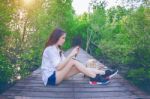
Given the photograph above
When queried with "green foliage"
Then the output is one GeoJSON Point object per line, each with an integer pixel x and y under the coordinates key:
{"type": "Point", "coordinates": [5, 17]}
{"type": "Point", "coordinates": [123, 38]}
{"type": "Point", "coordinates": [138, 25]}
{"type": "Point", "coordinates": [116, 43]}
{"type": "Point", "coordinates": [79, 28]}
{"type": "Point", "coordinates": [140, 77]}
{"type": "Point", "coordinates": [6, 71]}
{"type": "Point", "coordinates": [31, 58]}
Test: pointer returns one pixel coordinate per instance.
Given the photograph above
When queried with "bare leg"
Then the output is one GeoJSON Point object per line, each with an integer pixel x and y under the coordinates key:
{"type": "Point", "coordinates": [61, 74]}
{"type": "Point", "coordinates": [72, 72]}
{"type": "Point", "coordinates": [75, 71]}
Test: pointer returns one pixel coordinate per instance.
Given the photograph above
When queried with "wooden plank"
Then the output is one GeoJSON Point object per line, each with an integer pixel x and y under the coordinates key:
{"type": "Point", "coordinates": [40, 94]}
{"type": "Point", "coordinates": [101, 94]}
{"type": "Point", "coordinates": [22, 97]}
{"type": "Point", "coordinates": [41, 89]}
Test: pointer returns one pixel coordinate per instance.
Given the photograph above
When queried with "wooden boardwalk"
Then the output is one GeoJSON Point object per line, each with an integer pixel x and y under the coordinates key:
{"type": "Point", "coordinates": [76, 87]}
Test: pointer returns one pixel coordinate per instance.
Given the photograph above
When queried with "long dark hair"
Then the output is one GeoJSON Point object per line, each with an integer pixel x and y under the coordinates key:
{"type": "Point", "coordinates": [54, 37]}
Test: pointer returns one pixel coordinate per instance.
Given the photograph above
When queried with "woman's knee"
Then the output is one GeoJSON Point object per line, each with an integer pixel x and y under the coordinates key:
{"type": "Point", "coordinates": [71, 62]}
{"type": "Point", "coordinates": [75, 68]}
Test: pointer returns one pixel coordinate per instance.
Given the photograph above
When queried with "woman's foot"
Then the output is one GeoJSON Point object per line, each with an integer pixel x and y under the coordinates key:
{"type": "Point", "coordinates": [110, 73]}
{"type": "Point", "coordinates": [99, 80]}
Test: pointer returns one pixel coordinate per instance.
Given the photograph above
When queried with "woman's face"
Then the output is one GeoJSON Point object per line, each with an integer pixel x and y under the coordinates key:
{"type": "Point", "coordinates": [61, 40]}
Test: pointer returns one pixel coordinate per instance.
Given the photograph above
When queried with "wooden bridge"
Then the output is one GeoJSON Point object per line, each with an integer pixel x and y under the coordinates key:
{"type": "Point", "coordinates": [76, 87]}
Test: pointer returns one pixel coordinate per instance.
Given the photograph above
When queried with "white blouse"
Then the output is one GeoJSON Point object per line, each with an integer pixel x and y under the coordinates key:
{"type": "Point", "coordinates": [50, 60]}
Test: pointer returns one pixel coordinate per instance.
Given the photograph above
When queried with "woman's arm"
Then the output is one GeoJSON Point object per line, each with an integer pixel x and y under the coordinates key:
{"type": "Point", "coordinates": [72, 54]}
{"type": "Point", "coordinates": [63, 63]}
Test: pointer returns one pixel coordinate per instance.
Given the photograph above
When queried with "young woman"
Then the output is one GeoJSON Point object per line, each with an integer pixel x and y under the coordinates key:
{"type": "Point", "coordinates": [56, 67]}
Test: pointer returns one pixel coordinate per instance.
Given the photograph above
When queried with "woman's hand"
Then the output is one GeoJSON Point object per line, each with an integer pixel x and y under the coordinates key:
{"type": "Point", "coordinates": [74, 52]}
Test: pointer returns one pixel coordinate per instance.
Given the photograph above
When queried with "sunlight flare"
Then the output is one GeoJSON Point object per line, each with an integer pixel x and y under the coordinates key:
{"type": "Point", "coordinates": [27, 2]}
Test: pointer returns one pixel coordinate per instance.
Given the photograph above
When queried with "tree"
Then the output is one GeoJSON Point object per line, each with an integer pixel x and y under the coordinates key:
{"type": "Point", "coordinates": [6, 69]}
{"type": "Point", "coordinates": [5, 17]}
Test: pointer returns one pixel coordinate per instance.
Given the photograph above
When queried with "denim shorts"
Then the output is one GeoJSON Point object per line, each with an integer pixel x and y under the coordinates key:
{"type": "Point", "coordinates": [52, 79]}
